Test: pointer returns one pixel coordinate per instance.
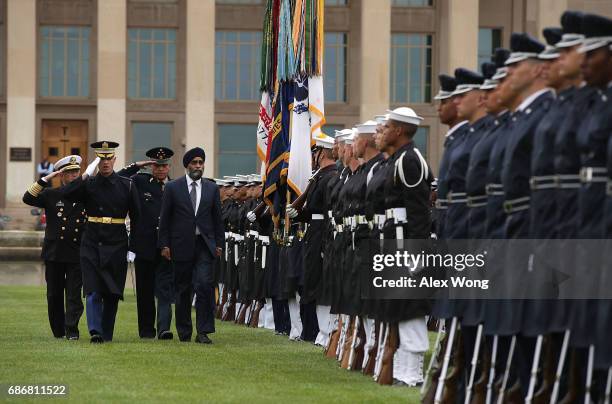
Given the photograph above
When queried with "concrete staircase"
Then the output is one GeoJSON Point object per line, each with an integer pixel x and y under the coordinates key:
{"type": "Point", "coordinates": [20, 218]}
{"type": "Point", "coordinates": [17, 245]}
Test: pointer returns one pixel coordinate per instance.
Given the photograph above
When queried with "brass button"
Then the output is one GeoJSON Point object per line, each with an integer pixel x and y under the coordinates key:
{"type": "Point", "coordinates": [99, 243]}
{"type": "Point", "coordinates": [63, 228]}
{"type": "Point", "coordinates": [74, 239]}
{"type": "Point", "coordinates": [76, 230]}
{"type": "Point", "coordinates": [65, 219]}
{"type": "Point", "coordinates": [61, 237]}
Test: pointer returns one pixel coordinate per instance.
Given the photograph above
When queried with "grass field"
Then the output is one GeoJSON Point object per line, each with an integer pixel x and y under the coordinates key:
{"type": "Point", "coordinates": [243, 365]}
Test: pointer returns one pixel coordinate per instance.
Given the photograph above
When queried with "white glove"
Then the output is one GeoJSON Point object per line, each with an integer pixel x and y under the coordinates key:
{"type": "Point", "coordinates": [251, 216]}
{"type": "Point", "coordinates": [291, 212]}
{"type": "Point", "coordinates": [91, 168]}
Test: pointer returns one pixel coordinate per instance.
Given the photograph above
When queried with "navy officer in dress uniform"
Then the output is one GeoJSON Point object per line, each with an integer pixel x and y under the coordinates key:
{"type": "Point", "coordinates": [108, 198]}
{"type": "Point", "coordinates": [154, 276]}
{"type": "Point", "coordinates": [65, 222]}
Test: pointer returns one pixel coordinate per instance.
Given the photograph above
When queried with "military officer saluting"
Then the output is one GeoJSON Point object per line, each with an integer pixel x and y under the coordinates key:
{"type": "Point", "coordinates": [154, 276]}
{"type": "Point", "coordinates": [108, 198]}
{"type": "Point", "coordinates": [65, 222]}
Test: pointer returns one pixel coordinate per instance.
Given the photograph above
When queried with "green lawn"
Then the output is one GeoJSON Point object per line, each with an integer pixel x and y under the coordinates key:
{"type": "Point", "coordinates": [243, 364]}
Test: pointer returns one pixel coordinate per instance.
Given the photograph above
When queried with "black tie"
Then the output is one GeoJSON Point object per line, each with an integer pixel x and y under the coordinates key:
{"type": "Point", "coordinates": [194, 196]}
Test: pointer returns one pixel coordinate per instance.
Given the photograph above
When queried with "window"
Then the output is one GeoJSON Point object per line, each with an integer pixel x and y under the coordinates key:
{"type": "Point", "coordinates": [147, 135]}
{"type": "Point", "coordinates": [152, 63]}
{"type": "Point", "coordinates": [63, 69]}
{"type": "Point", "coordinates": [237, 149]}
{"type": "Point", "coordinates": [421, 140]}
{"type": "Point", "coordinates": [334, 69]}
{"type": "Point", "coordinates": [237, 65]}
{"type": "Point", "coordinates": [412, 3]}
{"type": "Point", "coordinates": [336, 2]}
{"type": "Point", "coordinates": [488, 40]}
{"type": "Point", "coordinates": [410, 76]}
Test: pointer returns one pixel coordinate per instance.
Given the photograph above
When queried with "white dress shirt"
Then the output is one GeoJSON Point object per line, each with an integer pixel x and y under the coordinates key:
{"type": "Point", "coordinates": [198, 196]}
{"type": "Point", "coordinates": [198, 191]}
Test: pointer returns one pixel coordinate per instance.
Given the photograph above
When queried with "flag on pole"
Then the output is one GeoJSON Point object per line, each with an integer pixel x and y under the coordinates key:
{"type": "Point", "coordinates": [263, 129]}
{"type": "Point", "coordinates": [300, 167]}
{"type": "Point", "coordinates": [316, 105]}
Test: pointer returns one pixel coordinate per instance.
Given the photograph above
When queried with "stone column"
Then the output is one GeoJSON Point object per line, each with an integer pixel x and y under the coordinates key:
{"type": "Point", "coordinates": [112, 38]}
{"type": "Point", "coordinates": [458, 42]}
{"type": "Point", "coordinates": [374, 57]}
{"type": "Point", "coordinates": [20, 95]}
{"type": "Point", "coordinates": [544, 13]}
{"type": "Point", "coordinates": [200, 88]}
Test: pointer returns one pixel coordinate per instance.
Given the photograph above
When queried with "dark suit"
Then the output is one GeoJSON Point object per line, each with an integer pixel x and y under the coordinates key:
{"type": "Point", "coordinates": [192, 256]}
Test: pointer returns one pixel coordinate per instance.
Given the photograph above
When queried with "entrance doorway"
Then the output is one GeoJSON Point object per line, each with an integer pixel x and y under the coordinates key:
{"type": "Point", "coordinates": [62, 138]}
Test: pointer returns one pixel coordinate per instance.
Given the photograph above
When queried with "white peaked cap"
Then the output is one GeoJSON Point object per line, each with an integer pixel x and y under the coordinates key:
{"type": "Point", "coordinates": [71, 162]}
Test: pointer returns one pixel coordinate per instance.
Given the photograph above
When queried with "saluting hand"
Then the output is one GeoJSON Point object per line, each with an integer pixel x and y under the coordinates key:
{"type": "Point", "coordinates": [48, 177]}
{"type": "Point", "coordinates": [165, 252]}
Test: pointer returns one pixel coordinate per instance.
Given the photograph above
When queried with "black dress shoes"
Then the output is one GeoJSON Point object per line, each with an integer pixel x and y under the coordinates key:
{"type": "Point", "coordinates": [165, 335]}
{"type": "Point", "coordinates": [203, 339]}
{"type": "Point", "coordinates": [96, 339]}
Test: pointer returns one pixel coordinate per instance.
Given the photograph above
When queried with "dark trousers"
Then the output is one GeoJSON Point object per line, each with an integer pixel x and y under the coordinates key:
{"type": "Point", "coordinates": [198, 276]}
{"type": "Point", "coordinates": [101, 314]}
{"type": "Point", "coordinates": [64, 279]}
{"type": "Point", "coordinates": [280, 312]}
{"type": "Point", "coordinates": [145, 297]}
{"type": "Point", "coordinates": [154, 279]}
{"type": "Point", "coordinates": [164, 291]}
{"type": "Point", "coordinates": [310, 323]}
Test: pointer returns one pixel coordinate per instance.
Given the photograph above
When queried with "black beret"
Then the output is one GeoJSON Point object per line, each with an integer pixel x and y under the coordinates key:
{"type": "Point", "coordinates": [488, 69]}
{"type": "Point", "coordinates": [465, 76]}
{"type": "Point", "coordinates": [552, 35]}
{"type": "Point", "coordinates": [571, 21]}
{"type": "Point", "coordinates": [447, 83]}
{"type": "Point", "coordinates": [596, 26]}
{"type": "Point", "coordinates": [193, 153]}
{"type": "Point", "coordinates": [523, 42]}
{"type": "Point", "coordinates": [500, 55]}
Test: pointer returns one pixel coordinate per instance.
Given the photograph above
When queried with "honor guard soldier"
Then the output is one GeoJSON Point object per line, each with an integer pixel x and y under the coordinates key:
{"type": "Point", "coordinates": [526, 75]}
{"type": "Point", "coordinates": [65, 224]}
{"type": "Point", "coordinates": [407, 195]}
{"type": "Point", "coordinates": [154, 275]}
{"type": "Point", "coordinates": [357, 283]}
{"type": "Point", "coordinates": [592, 140]}
{"type": "Point", "coordinates": [469, 101]}
{"type": "Point", "coordinates": [447, 112]}
{"type": "Point", "coordinates": [312, 209]}
{"type": "Point", "coordinates": [458, 127]}
{"type": "Point", "coordinates": [567, 167]}
{"type": "Point", "coordinates": [475, 180]}
{"type": "Point", "coordinates": [108, 199]}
